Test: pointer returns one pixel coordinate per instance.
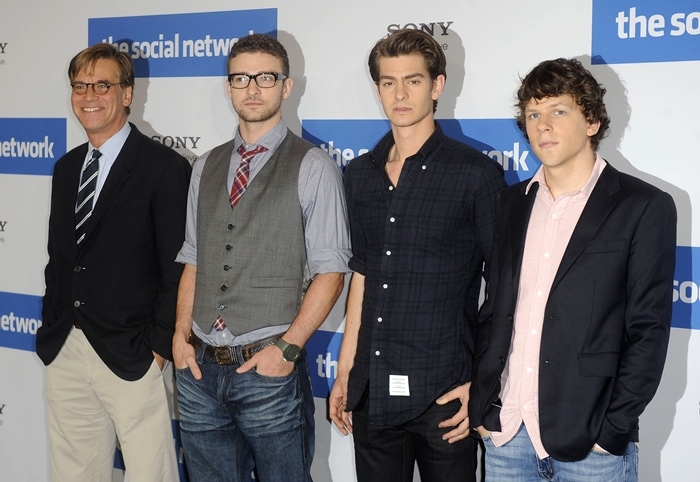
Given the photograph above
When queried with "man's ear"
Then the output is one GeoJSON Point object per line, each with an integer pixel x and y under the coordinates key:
{"type": "Point", "coordinates": [438, 86]}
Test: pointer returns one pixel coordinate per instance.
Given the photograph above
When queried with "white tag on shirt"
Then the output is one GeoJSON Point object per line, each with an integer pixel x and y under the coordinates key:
{"type": "Point", "coordinates": [398, 386]}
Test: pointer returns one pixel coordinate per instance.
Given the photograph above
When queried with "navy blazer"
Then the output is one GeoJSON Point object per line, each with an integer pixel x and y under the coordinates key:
{"type": "Point", "coordinates": [607, 318]}
{"type": "Point", "coordinates": [121, 287]}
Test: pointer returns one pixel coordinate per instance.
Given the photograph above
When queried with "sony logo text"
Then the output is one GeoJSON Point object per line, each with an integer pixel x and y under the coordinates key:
{"type": "Point", "coordinates": [177, 142]}
{"type": "Point", "coordinates": [429, 27]}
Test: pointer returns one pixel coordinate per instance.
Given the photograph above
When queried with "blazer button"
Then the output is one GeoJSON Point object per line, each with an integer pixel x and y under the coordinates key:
{"type": "Point", "coordinates": [501, 360]}
{"type": "Point", "coordinates": [228, 247]}
{"type": "Point", "coordinates": [77, 269]}
{"type": "Point", "coordinates": [510, 318]}
{"type": "Point", "coordinates": [224, 287]}
{"type": "Point", "coordinates": [77, 303]}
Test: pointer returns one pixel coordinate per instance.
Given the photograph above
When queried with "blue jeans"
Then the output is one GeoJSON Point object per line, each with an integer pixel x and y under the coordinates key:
{"type": "Point", "coordinates": [517, 460]}
{"type": "Point", "coordinates": [233, 424]}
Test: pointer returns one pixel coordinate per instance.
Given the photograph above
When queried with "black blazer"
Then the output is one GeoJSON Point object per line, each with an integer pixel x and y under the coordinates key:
{"type": "Point", "coordinates": [121, 287]}
{"type": "Point", "coordinates": [607, 319]}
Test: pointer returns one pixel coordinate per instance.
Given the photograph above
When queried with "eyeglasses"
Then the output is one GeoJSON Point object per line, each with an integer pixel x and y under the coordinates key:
{"type": "Point", "coordinates": [264, 80]}
{"type": "Point", "coordinates": [99, 88]}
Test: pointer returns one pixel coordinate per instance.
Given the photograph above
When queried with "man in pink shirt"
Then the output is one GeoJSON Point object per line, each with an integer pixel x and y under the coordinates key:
{"type": "Point", "coordinates": [573, 335]}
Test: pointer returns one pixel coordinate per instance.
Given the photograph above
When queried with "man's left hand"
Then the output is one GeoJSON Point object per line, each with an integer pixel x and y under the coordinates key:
{"type": "Point", "coordinates": [461, 419]}
{"type": "Point", "coordinates": [268, 362]}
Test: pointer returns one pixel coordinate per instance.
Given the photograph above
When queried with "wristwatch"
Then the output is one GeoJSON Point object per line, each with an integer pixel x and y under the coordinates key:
{"type": "Point", "coordinates": [290, 352]}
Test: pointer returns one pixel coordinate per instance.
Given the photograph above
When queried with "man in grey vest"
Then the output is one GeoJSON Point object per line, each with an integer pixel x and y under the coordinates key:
{"type": "Point", "coordinates": [265, 252]}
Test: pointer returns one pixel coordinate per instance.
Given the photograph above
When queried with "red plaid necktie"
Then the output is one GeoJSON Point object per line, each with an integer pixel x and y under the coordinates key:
{"type": "Point", "coordinates": [240, 182]}
{"type": "Point", "coordinates": [219, 324]}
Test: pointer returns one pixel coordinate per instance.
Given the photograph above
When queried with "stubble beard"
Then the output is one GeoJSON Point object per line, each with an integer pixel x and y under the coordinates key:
{"type": "Point", "coordinates": [259, 115]}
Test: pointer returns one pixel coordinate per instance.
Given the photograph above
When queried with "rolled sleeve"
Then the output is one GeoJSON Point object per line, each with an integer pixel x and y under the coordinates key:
{"type": "Point", "coordinates": [325, 214]}
{"type": "Point", "coordinates": [188, 252]}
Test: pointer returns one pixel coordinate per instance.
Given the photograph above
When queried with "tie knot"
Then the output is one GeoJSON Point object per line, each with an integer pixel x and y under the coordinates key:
{"type": "Point", "coordinates": [96, 154]}
{"type": "Point", "coordinates": [247, 155]}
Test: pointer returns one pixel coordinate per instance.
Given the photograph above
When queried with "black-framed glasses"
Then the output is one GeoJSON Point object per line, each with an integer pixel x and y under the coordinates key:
{"type": "Point", "coordinates": [264, 80]}
{"type": "Point", "coordinates": [99, 88]}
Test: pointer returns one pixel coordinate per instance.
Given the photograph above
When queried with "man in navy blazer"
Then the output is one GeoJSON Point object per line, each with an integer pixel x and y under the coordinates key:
{"type": "Point", "coordinates": [111, 284]}
{"type": "Point", "coordinates": [573, 335]}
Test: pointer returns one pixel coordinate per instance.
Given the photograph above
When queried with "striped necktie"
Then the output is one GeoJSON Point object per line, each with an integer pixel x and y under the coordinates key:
{"type": "Point", "coordinates": [86, 196]}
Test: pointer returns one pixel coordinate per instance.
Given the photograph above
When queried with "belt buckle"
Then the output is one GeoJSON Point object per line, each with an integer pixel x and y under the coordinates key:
{"type": "Point", "coordinates": [225, 355]}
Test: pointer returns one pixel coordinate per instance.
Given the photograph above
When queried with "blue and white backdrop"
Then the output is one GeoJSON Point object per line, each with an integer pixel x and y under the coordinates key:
{"type": "Point", "coordinates": [647, 53]}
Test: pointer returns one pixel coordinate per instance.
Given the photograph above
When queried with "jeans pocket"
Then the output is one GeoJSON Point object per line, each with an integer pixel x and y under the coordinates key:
{"type": "Point", "coordinates": [282, 378]}
{"type": "Point", "coordinates": [600, 451]}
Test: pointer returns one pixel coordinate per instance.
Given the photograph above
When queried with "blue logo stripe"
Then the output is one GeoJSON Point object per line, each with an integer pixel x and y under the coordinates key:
{"type": "Point", "coordinates": [181, 45]}
{"type": "Point", "coordinates": [633, 31]}
{"type": "Point", "coordinates": [31, 146]}
{"type": "Point", "coordinates": [500, 139]}
{"type": "Point", "coordinates": [20, 318]}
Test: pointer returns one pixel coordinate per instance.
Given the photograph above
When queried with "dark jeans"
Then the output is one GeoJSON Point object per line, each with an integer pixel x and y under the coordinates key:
{"type": "Point", "coordinates": [387, 453]}
{"type": "Point", "coordinates": [232, 424]}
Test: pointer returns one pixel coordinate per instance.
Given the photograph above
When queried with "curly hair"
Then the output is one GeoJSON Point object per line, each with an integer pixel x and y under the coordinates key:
{"type": "Point", "coordinates": [408, 41]}
{"type": "Point", "coordinates": [553, 78]}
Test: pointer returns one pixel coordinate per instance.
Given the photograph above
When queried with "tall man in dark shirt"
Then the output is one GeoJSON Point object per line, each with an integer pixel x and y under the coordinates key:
{"type": "Point", "coordinates": [421, 214]}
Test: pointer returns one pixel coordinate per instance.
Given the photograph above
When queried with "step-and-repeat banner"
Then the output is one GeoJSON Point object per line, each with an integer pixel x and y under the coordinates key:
{"type": "Point", "coordinates": [646, 53]}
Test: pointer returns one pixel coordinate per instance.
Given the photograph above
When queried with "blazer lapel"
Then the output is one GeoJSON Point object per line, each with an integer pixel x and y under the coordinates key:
{"type": "Point", "coordinates": [519, 220]}
{"type": "Point", "coordinates": [118, 174]}
{"type": "Point", "coordinates": [598, 208]}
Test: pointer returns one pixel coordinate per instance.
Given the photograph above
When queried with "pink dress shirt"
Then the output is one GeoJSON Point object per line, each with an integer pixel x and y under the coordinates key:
{"type": "Point", "coordinates": [548, 233]}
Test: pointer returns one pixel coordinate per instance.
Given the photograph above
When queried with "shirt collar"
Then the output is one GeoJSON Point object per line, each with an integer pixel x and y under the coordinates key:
{"type": "Point", "coordinates": [585, 190]}
{"type": "Point", "coordinates": [112, 146]}
{"type": "Point", "coordinates": [380, 153]}
{"type": "Point", "coordinates": [271, 139]}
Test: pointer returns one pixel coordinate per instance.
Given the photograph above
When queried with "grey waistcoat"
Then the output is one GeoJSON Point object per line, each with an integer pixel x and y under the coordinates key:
{"type": "Point", "coordinates": [252, 268]}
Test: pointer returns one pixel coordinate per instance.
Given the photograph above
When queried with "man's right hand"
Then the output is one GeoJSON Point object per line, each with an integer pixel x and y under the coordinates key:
{"type": "Point", "coordinates": [336, 405]}
{"type": "Point", "coordinates": [184, 356]}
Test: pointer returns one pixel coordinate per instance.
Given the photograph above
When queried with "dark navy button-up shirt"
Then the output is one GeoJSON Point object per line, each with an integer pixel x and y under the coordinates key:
{"type": "Point", "coordinates": [421, 246]}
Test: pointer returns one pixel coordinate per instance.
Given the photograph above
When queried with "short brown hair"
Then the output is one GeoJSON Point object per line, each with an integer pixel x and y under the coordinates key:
{"type": "Point", "coordinates": [408, 41]}
{"type": "Point", "coordinates": [553, 78]}
{"type": "Point", "coordinates": [86, 59]}
{"type": "Point", "coordinates": [260, 43]}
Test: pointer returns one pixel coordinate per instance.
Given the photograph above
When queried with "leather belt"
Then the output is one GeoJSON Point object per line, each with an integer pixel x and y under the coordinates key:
{"type": "Point", "coordinates": [76, 324]}
{"type": "Point", "coordinates": [228, 355]}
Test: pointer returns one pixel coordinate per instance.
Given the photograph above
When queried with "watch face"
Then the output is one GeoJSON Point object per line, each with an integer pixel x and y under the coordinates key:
{"type": "Point", "coordinates": [291, 353]}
